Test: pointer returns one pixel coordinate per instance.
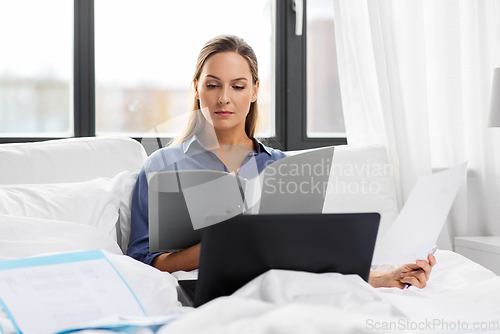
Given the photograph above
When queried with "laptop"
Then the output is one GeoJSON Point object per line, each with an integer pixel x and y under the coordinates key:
{"type": "Point", "coordinates": [239, 249]}
{"type": "Point", "coordinates": [296, 184]}
{"type": "Point", "coordinates": [180, 201]}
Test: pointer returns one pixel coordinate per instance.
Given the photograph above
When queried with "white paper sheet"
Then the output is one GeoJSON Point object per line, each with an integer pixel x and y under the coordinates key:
{"type": "Point", "coordinates": [417, 227]}
{"type": "Point", "coordinates": [50, 293]}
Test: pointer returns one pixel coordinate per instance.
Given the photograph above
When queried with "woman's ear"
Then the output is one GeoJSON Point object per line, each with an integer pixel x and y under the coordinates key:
{"type": "Point", "coordinates": [195, 85]}
{"type": "Point", "coordinates": [255, 91]}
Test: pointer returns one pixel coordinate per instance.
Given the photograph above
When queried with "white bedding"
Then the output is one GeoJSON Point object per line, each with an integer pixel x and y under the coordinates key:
{"type": "Point", "coordinates": [25, 236]}
{"type": "Point", "coordinates": [276, 302]}
{"type": "Point", "coordinates": [279, 301]}
{"type": "Point", "coordinates": [460, 294]}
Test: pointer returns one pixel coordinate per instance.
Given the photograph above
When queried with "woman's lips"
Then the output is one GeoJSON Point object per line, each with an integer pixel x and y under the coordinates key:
{"type": "Point", "coordinates": [224, 113]}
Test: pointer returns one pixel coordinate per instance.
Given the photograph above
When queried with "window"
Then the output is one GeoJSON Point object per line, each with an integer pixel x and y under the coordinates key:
{"type": "Point", "coordinates": [133, 61]}
{"type": "Point", "coordinates": [308, 100]}
{"type": "Point", "coordinates": [145, 58]}
{"type": "Point", "coordinates": [324, 105]}
{"type": "Point", "coordinates": [36, 68]}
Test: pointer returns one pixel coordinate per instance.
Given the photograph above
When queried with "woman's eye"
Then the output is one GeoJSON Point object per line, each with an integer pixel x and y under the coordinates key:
{"type": "Point", "coordinates": [239, 87]}
{"type": "Point", "coordinates": [211, 86]}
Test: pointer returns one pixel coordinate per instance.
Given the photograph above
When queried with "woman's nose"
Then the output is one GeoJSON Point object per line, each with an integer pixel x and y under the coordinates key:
{"type": "Point", "coordinates": [224, 97]}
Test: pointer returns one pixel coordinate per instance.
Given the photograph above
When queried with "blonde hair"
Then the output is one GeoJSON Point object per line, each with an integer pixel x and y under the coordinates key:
{"type": "Point", "coordinates": [223, 43]}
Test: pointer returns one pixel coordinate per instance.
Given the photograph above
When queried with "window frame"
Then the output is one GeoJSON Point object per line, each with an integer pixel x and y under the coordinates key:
{"type": "Point", "coordinates": [296, 85]}
{"type": "Point", "coordinates": [84, 70]}
{"type": "Point", "coordinates": [290, 91]}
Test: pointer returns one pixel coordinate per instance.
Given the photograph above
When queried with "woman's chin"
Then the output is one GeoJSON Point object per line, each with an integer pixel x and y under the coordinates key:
{"type": "Point", "coordinates": [224, 125]}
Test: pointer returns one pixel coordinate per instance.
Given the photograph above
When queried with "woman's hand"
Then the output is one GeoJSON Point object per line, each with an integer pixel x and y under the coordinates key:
{"type": "Point", "coordinates": [186, 259]}
{"type": "Point", "coordinates": [415, 274]}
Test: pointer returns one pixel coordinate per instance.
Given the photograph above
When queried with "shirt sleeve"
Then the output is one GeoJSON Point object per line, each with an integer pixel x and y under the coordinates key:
{"type": "Point", "coordinates": [139, 232]}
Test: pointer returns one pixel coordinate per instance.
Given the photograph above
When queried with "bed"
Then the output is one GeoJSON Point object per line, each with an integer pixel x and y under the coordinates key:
{"type": "Point", "coordinates": [74, 194]}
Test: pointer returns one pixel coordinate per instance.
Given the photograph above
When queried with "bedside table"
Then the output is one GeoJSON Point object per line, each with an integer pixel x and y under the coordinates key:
{"type": "Point", "coordinates": [483, 250]}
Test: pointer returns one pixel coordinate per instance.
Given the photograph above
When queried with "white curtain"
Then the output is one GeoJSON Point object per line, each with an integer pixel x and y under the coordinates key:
{"type": "Point", "coordinates": [416, 76]}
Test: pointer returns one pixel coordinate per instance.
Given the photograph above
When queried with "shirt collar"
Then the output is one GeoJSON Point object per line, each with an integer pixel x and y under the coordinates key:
{"type": "Point", "coordinates": [186, 145]}
{"type": "Point", "coordinates": [261, 147]}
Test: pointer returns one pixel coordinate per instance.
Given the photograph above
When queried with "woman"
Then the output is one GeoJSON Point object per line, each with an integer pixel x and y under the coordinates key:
{"type": "Point", "coordinates": [220, 136]}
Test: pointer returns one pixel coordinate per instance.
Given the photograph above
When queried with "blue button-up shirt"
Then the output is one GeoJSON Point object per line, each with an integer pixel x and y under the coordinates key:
{"type": "Point", "coordinates": [189, 155]}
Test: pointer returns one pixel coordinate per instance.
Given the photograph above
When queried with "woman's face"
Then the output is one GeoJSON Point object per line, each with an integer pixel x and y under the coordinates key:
{"type": "Point", "coordinates": [226, 90]}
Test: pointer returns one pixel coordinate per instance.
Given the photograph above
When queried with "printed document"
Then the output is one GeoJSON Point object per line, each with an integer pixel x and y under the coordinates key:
{"type": "Point", "coordinates": [51, 293]}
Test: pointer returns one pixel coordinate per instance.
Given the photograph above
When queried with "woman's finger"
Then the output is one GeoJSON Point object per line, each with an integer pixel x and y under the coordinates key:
{"type": "Point", "coordinates": [418, 274]}
{"type": "Point", "coordinates": [426, 267]}
{"type": "Point", "coordinates": [414, 281]}
{"type": "Point", "coordinates": [411, 266]}
{"type": "Point", "coordinates": [432, 259]}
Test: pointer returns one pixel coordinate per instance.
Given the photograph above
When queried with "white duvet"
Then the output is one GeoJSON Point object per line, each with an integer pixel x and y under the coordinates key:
{"type": "Point", "coordinates": [461, 296]}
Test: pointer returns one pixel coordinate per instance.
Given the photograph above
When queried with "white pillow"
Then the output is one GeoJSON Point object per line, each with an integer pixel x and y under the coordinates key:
{"type": "Point", "coordinates": [126, 211]}
{"type": "Point", "coordinates": [69, 160]}
{"type": "Point", "coordinates": [361, 180]}
{"type": "Point", "coordinates": [95, 202]}
{"type": "Point", "coordinates": [27, 236]}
